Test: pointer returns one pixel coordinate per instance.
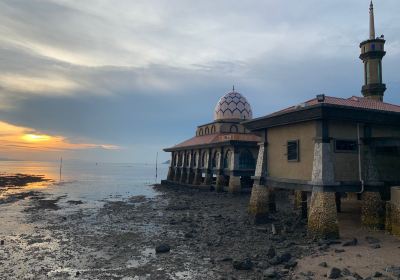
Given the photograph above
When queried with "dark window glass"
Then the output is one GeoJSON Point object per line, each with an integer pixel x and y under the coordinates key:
{"type": "Point", "coordinates": [234, 129]}
{"type": "Point", "coordinates": [293, 150]}
{"type": "Point", "coordinates": [346, 146]}
{"type": "Point", "coordinates": [373, 47]}
{"type": "Point", "coordinates": [246, 160]}
{"type": "Point", "coordinates": [388, 151]}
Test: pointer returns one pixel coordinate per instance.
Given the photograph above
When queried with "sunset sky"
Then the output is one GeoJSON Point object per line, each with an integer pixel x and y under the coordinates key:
{"type": "Point", "coordinates": [118, 80]}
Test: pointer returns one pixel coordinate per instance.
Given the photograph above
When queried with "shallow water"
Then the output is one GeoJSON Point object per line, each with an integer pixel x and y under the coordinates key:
{"type": "Point", "coordinates": [89, 181]}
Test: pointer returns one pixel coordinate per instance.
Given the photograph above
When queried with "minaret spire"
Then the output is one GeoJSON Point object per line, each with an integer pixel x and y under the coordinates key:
{"type": "Point", "coordinates": [371, 22]}
{"type": "Point", "coordinates": [372, 52]}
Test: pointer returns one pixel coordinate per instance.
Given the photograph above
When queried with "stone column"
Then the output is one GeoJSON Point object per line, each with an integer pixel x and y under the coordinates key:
{"type": "Point", "coordinates": [235, 185]}
{"type": "Point", "coordinates": [297, 200]}
{"type": "Point", "coordinates": [208, 171]}
{"type": "Point", "coordinates": [262, 198]}
{"type": "Point", "coordinates": [372, 210]}
{"type": "Point", "coordinates": [182, 178]}
{"type": "Point", "coordinates": [220, 183]}
{"type": "Point", "coordinates": [177, 174]}
{"type": "Point", "coordinates": [171, 171]}
{"type": "Point", "coordinates": [372, 206]}
{"type": "Point", "coordinates": [322, 217]}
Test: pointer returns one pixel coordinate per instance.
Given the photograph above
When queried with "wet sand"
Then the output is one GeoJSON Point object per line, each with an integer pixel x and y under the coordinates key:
{"type": "Point", "coordinates": [209, 235]}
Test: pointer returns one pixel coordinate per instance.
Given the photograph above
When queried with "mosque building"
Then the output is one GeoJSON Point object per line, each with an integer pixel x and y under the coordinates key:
{"type": "Point", "coordinates": [222, 154]}
{"type": "Point", "coordinates": [322, 149]}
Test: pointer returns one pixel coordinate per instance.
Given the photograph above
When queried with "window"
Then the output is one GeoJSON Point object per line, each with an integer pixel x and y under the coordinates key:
{"type": "Point", "coordinates": [196, 158]}
{"type": "Point", "coordinates": [346, 146]}
{"type": "Point", "coordinates": [234, 129]}
{"type": "Point", "coordinates": [207, 131]}
{"type": "Point", "coordinates": [213, 129]}
{"type": "Point", "coordinates": [373, 47]}
{"type": "Point", "coordinates": [227, 159]}
{"type": "Point", "coordinates": [215, 159]}
{"type": "Point", "coordinates": [188, 159]}
{"type": "Point", "coordinates": [246, 160]}
{"type": "Point", "coordinates": [201, 132]}
{"type": "Point", "coordinates": [293, 150]}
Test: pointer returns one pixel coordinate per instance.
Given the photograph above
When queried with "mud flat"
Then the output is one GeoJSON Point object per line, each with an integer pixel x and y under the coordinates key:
{"type": "Point", "coordinates": [197, 234]}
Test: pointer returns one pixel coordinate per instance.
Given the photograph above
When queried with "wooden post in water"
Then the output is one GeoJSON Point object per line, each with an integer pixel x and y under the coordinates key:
{"type": "Point", "coordinates": [60, 168]}
{"type": "Point", "coordinates": [156, 166]}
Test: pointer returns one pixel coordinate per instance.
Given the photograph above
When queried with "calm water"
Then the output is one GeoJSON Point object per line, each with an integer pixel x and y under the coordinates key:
{"type": "Point", "coordinates": [90, 181]}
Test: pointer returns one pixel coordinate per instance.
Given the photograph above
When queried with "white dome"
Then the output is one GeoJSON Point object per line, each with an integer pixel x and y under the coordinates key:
{"type": "Point", "coordinates": [233, 105]}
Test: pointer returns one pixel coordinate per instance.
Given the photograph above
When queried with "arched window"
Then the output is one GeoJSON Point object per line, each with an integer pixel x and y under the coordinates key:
{"type": "Point", "coordinates": [246, 160]}
{"type": "Point", "coordinates": [207, 131]}
{"type": "Point", "coordinates": [234, 129]}
{"type": "Point", "coordinates": [201, 132]}
{"type": "Point", "coordinates": [227, 159]}
{"type": "Point", "coordinates": [195, 157]}
{"type": "Point", "coordinates": [215, 160]}
{"type": "Point", "coordinates": [212, 129]}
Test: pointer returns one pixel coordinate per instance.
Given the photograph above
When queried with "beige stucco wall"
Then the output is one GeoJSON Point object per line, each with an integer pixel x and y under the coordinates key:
{"type": "Point", "coordinates": [277, 164]}
{"type": "Point", "coordinates": [345, 164]}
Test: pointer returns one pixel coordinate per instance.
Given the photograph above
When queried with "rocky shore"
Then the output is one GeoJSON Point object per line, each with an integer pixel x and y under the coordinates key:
{"type": "Point", "coordinates": [179, 234]}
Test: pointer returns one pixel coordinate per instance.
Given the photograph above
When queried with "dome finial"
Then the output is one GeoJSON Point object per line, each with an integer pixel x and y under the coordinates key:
{"type": "Point", "coordinates": [233, 88]}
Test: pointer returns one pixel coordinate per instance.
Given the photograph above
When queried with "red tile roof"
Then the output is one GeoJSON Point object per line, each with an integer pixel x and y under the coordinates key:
{"type": "Point", "coordinates": [217, 138]}
{"type": "Point", "coordinates": [354, 101]}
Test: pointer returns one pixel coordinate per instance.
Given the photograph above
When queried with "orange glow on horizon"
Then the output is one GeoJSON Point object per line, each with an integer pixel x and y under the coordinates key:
{"type": "Point", "coordinates": [36, 137]}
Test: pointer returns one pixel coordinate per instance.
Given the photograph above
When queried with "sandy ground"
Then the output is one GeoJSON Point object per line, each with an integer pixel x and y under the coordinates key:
{"type": "Point", "coordinates": [209, 235]}
{"type": "Point", "coordinates": [370, 255]}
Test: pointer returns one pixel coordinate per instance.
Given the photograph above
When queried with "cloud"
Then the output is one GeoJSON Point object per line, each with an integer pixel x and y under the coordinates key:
{"type": "Point", "coordinates": [143, 74]}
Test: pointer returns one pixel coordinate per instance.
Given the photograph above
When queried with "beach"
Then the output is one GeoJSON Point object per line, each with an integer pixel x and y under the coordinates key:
{"type": "Point", "coordinates": [205, 235]}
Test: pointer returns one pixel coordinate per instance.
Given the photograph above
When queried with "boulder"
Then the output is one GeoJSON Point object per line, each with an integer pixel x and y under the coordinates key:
{"type": "Point", "coordinates": [245, 264]}
{"type": "Point", "coordinates": [334, 273]}
{"type": "Point", "coordinates": [162, 248]}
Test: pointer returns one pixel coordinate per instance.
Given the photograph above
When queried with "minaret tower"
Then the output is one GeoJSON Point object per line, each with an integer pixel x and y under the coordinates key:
{"type": "Point", "coordinates": [372, 52]}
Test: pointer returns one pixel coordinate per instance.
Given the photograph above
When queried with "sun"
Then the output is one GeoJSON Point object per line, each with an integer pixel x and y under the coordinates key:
{"type": "Point", "coordinates": [36, 137]}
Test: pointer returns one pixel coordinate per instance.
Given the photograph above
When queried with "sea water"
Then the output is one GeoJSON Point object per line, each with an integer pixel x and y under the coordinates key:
{"type": "Point", "coordinates": [90, 181]}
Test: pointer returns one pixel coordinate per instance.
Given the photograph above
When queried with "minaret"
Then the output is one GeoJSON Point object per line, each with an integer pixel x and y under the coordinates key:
{"type": "Point", "coordinates": [372, 52]}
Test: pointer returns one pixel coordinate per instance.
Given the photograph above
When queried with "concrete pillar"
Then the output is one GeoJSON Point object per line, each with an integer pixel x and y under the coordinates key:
{"type": "Point", "coordinates": [372, 210]}
{"type": "Point", "coordinates": [322, 219]}
{"type": "Point", "coordinates": [183, 175]}
{"type": "Point", "coordinates": [208, 178]}
{"type": "Point", "coordinates": [197, 177]}
{"type": "Point", "coordinates": [171, 173]}
{"type": "Point", "coordinates": [190, 176]}
{"type": "Point", "coordinates": [394, 216]}
{"type": "Point", "coordinates": [177, 174]}
{"type": "Point", "coordinates": [235, 185]}
{"type": "Point", "coordinates": [262, 202]}
{"type": "Point", "coordinates": [220, 183]}
{"type": "Point", "coordinates": [259, 205]}
{"type": "Point", "coordinates": [297, 200]}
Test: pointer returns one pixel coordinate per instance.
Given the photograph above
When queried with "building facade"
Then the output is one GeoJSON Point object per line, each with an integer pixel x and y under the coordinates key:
{"type": "Point", "coordinates": [326, 147]}
{"type": "Point", "coordinates": [222, 154]}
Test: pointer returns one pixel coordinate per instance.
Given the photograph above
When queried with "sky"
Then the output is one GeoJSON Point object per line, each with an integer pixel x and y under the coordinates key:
{"type": "Point", "coordinates": [119, 80]}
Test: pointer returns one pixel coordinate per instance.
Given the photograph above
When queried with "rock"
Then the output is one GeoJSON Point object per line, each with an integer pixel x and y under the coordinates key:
{"type": "Point", "coordinates": [346, 272]}
{"type": "Point", "coordinates": [323, 264]}
{"type": "Point", "coordinates": [270, 273]}
{"type": "Point", "coordinates": [334, 273]}
{"type": "Point", "coordinates": [372, 240]}
{"type": "Point", "coordinates": [162, 248]}
{"type": "Point", "coordinates": [285, 257]}
{"type": "Point", "coordinates": [291, 264]}
{"type": "Point", "coordinates": [275, 260]}
{"type": "Point", "coordinates": [339, 250]}
{"type": "Point", "coordinates": [245, 264]}
{"type": "Point", "coordinates": [375, 246]}
{"type": "Point", "coordinates": [273, 229]}
{"type": "Point", "coordinates": [189, 235]}
{"type": "Point", "coordinates": [2, 242]}
{"type": "Point", "coordinates": [357, 276]}
{"type": "Point", "coordinates": [77, 274]}
{"type": "Point", "coordinates": [352, 242]}
{"type": "Point", "coordinates": [377, 274]}
{"type": "Point", "coordinates": [271, 252]}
